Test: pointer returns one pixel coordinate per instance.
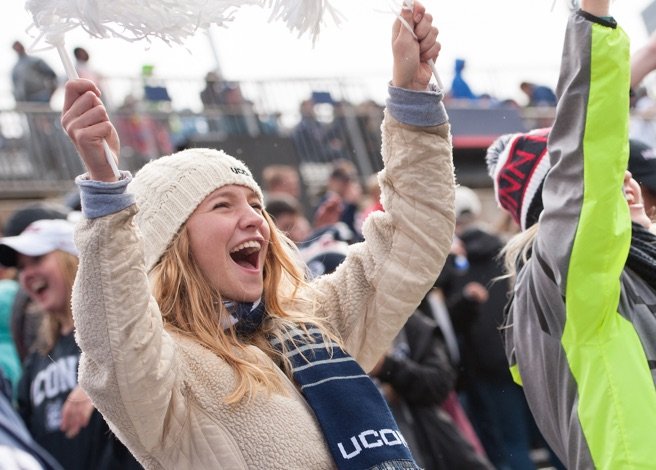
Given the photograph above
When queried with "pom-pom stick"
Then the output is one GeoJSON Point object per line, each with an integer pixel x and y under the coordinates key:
{"type": "Point", "coordinates": [72, 74]}
{"type": "Point", "coordinates": [56, 38]}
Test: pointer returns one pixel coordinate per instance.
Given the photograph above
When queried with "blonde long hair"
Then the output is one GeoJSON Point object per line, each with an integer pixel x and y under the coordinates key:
{"type": "Point", "coordinates": [51, 324]}
{"type": "Point", "coordinates": [517, 250]}
{"type": "Point", "coordinates": [191, 307]}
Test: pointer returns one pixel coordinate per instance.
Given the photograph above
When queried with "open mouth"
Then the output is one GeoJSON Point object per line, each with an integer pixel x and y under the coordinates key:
{"type": "Point", "coordinates": [247, 254]}
{"type": "Point", "coordinates": [38, 287]}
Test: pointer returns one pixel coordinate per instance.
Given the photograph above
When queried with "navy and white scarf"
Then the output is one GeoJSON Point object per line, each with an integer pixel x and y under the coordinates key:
{"type": "Point", "coordinates": [354, 417]}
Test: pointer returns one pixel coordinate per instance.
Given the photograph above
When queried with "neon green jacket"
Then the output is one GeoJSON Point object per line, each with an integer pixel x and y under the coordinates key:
{"type": "Point", "coordinates": [581, 336]}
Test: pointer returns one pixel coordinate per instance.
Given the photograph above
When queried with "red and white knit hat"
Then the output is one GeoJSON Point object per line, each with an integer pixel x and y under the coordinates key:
{"type": "Point", "coordinates": [518, 164]}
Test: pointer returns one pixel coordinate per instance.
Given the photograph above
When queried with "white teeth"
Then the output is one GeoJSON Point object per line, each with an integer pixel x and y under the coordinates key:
{"type": "Point", "coordinates": [249, 244]}
{"type": "Point", "coordinates": [37, 285]}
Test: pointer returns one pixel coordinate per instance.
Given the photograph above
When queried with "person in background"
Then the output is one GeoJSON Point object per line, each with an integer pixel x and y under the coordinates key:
{"type": "Point", "coordinates": [33, 80]}
{"type": "Point", "coordinates": [322, 247]}
{"type": "Point", "coordinates": [416, 377]}
{"type": "Point", "coordinates": [213, 95]}
{"type": "Point", "coordinates": [336, 142]}
{"type": "Point", "coordinates": [476, 299]}
{"type": "Point", "coordinates": [579, 329]}
{"type": "Point", "coordinates": [143, 137]}
{"type": "Point", "coordinates": [206, 347]}
{"type": "Point", "coordinates": [9, 361]}
{"type": "Point", "coordinates": [460, 89]}
{"type": "Point", "coordinates": [239, 117]}
{"type": "Point", "coordinates": [370, 202]}
{"type": "Point", "coordinates": [308, 134]}
{"type": "Point", "coordinates": [230, 113]}
{"type": "Point", "coordinates": [369, 115]}
{"type": "Point", "coordinates": [18, 450]}
{"type": "Point", "coordinates": [213, 99]}
{"type": "Point", "coordinates": [643, 112]}
{"type": "Point", "coordinates": [642, 165]}
{"type": "Point", "coordinates": [287, 215]}
{"type": "Point", "coordinates": [26, 316]}
{"type": "Point", "coordinates": [343, 190]}
{"type": "Point", "coordinates": [281, 179]}
{"type": "Point", "coordinates": [538, 95]}
{"type": "Point", "coordinates": [58, 413]}
{"type": "Point", "coordinates": [84, 70]}
{"type": "Point", "coordinates": [82, 65]}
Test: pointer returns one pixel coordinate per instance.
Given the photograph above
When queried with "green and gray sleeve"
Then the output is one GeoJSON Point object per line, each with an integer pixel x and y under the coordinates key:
{"type": "Point", "coordinates": [580, 252]}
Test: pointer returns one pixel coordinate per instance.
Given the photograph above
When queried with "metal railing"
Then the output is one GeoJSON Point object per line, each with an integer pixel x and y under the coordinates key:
{"type": "Point", "coordinates": [37, 159]}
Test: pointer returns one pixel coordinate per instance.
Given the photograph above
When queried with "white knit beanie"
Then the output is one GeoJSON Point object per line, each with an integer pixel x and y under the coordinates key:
{"type": "Point", "coordinates": [169, 189]}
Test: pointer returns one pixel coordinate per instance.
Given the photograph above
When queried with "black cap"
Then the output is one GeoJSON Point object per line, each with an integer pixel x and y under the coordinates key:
{"type": "Point", "coordinates": [325, 263]}
{"type": "Point", "coordinates": [21, 218]}
{"type": "Point", "coordinates": [642, 164]}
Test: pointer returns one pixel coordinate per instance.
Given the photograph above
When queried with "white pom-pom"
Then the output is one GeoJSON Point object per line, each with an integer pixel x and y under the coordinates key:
{"type": "Point", "coordinates": [169, 20]}
{"type": "Point", "coordinates": [304, 15]}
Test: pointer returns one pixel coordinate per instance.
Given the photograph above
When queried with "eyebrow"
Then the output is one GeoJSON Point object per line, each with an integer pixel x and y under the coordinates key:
{"type": "Point", "coordinates": [232, 193]}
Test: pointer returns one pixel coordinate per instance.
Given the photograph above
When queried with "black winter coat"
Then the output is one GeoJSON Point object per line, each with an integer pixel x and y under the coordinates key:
{"type": "Point", "coordinates": [419, 371]}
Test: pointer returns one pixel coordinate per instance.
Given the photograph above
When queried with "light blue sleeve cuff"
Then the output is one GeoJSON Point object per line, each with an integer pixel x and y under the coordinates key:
{"type": "Point", "coordinates": [417, 108]}
{"type": "Point", "coordinates": [100, 198]}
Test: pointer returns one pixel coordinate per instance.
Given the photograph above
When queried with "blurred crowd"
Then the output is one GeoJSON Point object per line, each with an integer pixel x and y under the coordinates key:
{"type": "Point", "coordinates": [327, 128]}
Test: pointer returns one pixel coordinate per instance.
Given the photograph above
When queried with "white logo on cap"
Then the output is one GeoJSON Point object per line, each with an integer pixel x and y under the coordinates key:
{"type": "Point", "coordinates": [648, 154]}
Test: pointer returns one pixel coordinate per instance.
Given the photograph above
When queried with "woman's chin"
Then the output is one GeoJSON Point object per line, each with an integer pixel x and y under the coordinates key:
{"type": "Point", "coordinates": [243, 296]}
{"type": "Point", "coordinates": [639, 216]}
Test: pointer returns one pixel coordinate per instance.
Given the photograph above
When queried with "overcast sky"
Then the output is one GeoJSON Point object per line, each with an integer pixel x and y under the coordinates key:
{"type": "Point", "coordinates": [503, 41]}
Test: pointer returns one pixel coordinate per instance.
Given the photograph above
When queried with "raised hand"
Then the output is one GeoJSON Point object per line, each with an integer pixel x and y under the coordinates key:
{"type": "Point", "coordinates": [76, 412]}
{"type": "Point", "coordinates": [85, 120]}
{"type": "Point", "coordinates": [411, 56]}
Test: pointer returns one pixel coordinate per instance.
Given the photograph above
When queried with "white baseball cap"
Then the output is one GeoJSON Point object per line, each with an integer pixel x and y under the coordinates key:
{"type": "Point", "coordinates": [39, 238]}
{"type": "Point", "coordinates": [467, 201]}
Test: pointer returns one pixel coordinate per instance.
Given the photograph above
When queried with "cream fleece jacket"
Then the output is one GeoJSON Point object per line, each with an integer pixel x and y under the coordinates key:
{"type": "Point", "coordinates": [163, 394]}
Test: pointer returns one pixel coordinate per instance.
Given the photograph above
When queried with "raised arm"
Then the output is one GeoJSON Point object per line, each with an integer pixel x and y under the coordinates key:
{"type": "Point", "coordinates": [128, 363]}
{"type": "Point", "coordinates": [582, 247]}
{"type": "Point", "coordinates": [585, 228]}
{"type": "Point", "coordinates": [382, 280]}
{"type": "Point", "coordinates": [643, 61]}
